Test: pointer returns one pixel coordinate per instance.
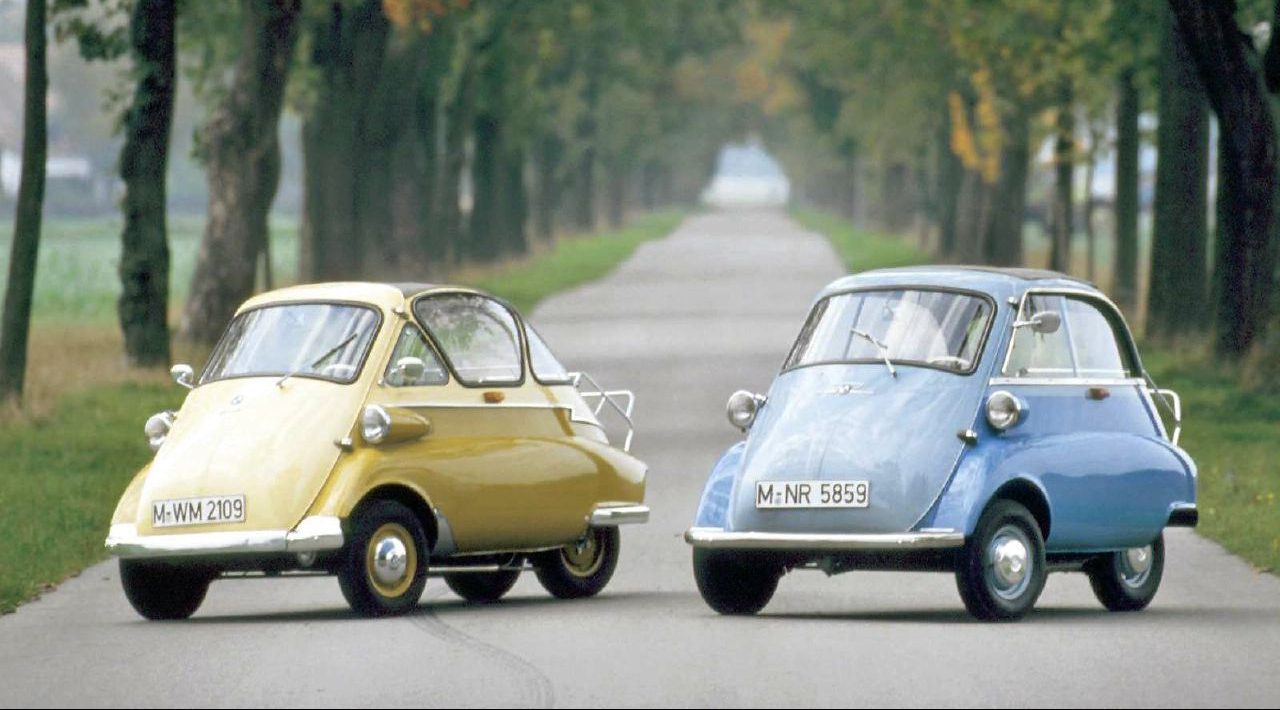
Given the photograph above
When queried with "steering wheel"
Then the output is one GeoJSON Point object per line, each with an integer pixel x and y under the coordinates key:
{"type": "Point", "coordinates": [338, 370]}
{"type": "Point", "coordinates": [955, 363]}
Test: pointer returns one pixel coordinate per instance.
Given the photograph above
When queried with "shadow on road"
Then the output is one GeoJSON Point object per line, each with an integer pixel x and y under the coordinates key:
{"type": "Point", "coordinates": [1073, 615]}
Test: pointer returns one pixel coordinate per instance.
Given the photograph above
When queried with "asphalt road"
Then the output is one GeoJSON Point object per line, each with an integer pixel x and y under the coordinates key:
{"type": "Point", "coordinates": [685, 322]}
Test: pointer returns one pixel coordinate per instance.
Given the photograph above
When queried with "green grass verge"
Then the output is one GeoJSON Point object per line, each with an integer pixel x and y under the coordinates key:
{"type": "Point", "coordinates": [64, 472]}
{"type": "Point", "coordinates": [570, 262]}
{"type": "Point", "coordinates": [61, 479]}
{"type": "Point", "coordinates": [77, 278]}
{"type": "Point", "coordinates": [1232, 434]}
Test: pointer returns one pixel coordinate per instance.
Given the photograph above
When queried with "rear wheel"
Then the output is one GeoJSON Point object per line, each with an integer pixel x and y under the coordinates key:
{"type": "Point", "coordinates": [1128, 580]}
{"type": "Point", "coordinates": [482, 587]}
{"type": "Point", "coordinates": [583, 568]}
{"type": "Point", "coordinates": [384, 567]}
{"type": "Point", "coordinates": [1001, 569]}
{"type": "Point", "coordinates": [735, 583]}
{"type": "Point", "coordinates": [159, 591]}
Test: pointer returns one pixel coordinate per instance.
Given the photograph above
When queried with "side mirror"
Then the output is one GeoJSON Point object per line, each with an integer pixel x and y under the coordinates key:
{"type": "Point", "coordinates": [410, 369]}
{"type": "Point", "coordinates": [183, 375]}
{"type": "Point", "coordinates": [1044, 322]}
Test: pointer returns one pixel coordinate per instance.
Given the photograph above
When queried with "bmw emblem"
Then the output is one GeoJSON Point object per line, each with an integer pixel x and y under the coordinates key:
{"type": "Point", "coordinates": [236, 400]}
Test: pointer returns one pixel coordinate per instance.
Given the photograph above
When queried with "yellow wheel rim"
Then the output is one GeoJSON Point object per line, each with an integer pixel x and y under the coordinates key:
{"type": "Point", "coordinates": [391, 560]}
{"type": "Point", "coordinates": [583, 559]}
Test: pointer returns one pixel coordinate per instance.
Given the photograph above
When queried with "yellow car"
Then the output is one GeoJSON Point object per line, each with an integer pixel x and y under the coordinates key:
{"type": "Point", "coordinates": [379, 433]}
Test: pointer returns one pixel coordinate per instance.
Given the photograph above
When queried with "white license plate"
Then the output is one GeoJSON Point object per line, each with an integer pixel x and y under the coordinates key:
{"type": "Point", "coordinates": [813, 494]}
{"type": "Point", "coordinates": [197, 511]}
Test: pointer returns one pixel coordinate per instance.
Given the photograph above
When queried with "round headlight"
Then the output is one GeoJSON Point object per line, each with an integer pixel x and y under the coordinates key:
{"type": "Point", "coordinates": [157, 429]}
{"type": "Point", "coordinates": [742, 408]}
{"type": "Point", "coordinates": [375, 424]}
{"type": "Point", "coordinates": [1003, 410]}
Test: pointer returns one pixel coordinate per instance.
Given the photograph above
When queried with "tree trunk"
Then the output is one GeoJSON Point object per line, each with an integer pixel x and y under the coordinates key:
{"type": "Point", "coordinates": [1091, 238]}
{"type": "Point", "coordinates": [483, 226]}
{"type": "Point", "coordinates": [16, 325]}
{"type": "Point", "coordinates": [458, 112]}
{"type": "Point", "coordinates": [950, 176]}
{"type": "Point", "coordinates": [1064, 167]}
{"type": "Point", "coordinates": [617, 195]}
{"type": "Point", "coordinates": [1003, 245]}
{"type": "Point", "coordinates": [515, 202]}
{"type": "Point", "coordinates": [1125, 275]}
{"type": "Point", "coordinates": [549, 151]}
{"type": "Point", "coordinates": [1176, 287]}
{"type": "Point", "coordinates": [348, 52]}
{"type": "Point", "coordinates": [1235, 91]}
{"type": "Point", "coordinates": [144, 254]}
{"type": "Point", "coordinates": [242, 146]}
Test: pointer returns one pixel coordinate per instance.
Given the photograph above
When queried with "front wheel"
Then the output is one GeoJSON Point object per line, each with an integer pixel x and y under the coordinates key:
{"type": "Point", "coordinates": [1127, 580]}
{"type": "Point", "coordinates": [1001, 569]}
{"type": "Point", "coordinates": [583, 568]}
{"type": "Point", "coordinates": [159, 591]}
{"type": "Point", "coordinates": [384, 568]}
{"type": "Point", "coordinates": [734, 583]}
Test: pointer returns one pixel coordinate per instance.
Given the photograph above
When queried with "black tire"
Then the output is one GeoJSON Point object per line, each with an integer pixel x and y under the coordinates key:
{"type": "Point", "coordinates": [735, 583]}
{"type": "Point", "coordinates": [1121, 582]}
{"type": "Point", "coordinates": [160, 592]}
{"type": "Point", "coordinates": [383, 569]}
{"type": "Point", "coordinates": [1002, 592]}
{"type": "Point", "coordinates": [577, 571]}
{"type": "Point", "coordinates": [482, 587]}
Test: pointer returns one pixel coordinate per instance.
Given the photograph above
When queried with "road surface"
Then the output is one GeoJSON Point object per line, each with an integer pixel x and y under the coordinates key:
{"type": "Point", "coordinates": [687, 320]}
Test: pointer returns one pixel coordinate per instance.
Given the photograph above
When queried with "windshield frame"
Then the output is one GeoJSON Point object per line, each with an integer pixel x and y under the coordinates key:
{"type": "Point", "coordinates": [364, 358]}
{"type": "Point", "coordinates": [973, 367]}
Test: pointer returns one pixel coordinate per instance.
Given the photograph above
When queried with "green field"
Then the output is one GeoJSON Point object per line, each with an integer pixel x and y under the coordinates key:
{"type": "Point", "coordinates": [66, 467]}
{"type": "Point", "coordinates": [1233, 434]}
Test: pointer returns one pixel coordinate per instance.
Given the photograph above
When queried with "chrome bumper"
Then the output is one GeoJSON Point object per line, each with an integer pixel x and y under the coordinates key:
{"type": "Point", "coordinates": [619, 515]}
{"type": "Point", "coordinates": [314, 534]}
{"type": "Point", "coordinates": [718, 539]}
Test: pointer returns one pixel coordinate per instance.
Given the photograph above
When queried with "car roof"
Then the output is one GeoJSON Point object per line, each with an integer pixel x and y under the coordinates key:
{"type": "Point", "coordinates": [387, 295]}
{"type": "Point", "coordinates": [997, 281]}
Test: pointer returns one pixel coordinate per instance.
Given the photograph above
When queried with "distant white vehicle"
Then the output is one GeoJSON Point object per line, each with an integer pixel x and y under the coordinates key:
{"type": "Point", "coordinates": [747, 176]}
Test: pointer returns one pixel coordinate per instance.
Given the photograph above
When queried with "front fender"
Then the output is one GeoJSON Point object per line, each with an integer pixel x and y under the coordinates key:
{"type": "Point", "coordinates": [981, 472]}
{"type": "Point", "coordinates": [713, 508]}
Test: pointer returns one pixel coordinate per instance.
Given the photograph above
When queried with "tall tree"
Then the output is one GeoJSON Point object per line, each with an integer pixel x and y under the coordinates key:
{"type": "Point", "coordinates": [16, 324]}
{"type": "Point", "coordinates": [144, 255]}
{"type": "Point", "coordinates": [241, 148]}
{"type": "Point", "coordinates": [1128, 106]}
{"type": "Point", "coordinates": [1228, 68]}
{"type": "Point", "coordinates": [1177, 289]}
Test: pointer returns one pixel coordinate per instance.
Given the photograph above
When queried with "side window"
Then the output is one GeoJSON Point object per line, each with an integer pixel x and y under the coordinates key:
{"type": "Point", "coordinates": [544, 364]}
{"type": "Point", "coordinates": [1097, 352]}
{"type": "Point", "coordinates": [478, 336]}
{"type": "Point", "coordinates": [413, 362]}
{"type": "Point", "coordinates": [1040, 354]}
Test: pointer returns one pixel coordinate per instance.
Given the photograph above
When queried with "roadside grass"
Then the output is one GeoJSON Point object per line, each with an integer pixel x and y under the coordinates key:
{"type": "Point", "coordinates": [77, 440]}
{"type": "Point", "coordinates": [1233, 434]}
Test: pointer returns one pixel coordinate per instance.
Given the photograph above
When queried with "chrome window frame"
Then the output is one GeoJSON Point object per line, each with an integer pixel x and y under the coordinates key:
{"type": "Point", "coordinates": [522, 347]}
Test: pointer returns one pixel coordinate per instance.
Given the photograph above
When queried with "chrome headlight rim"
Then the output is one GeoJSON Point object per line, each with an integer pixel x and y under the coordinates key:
{"type": "Point", "coordinates": [157, 429]}
{"type": "Point", "coordinates": [742, 408]}
{"type": "Point", "coordinates": [1004, 410]}
{"type": "Point", "coordinates": [375, 424]}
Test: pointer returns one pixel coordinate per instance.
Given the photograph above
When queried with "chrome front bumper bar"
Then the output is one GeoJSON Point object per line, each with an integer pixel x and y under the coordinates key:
{"type": "Point", "coordinates": [718, 539]}
{"type": "Point", "coordinates": [313, 534]}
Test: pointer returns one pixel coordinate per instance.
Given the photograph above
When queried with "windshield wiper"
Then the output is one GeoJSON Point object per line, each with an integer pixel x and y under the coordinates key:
{"type": "Point", "coordinates": [884, 349]}
{"type": "Point", "coordinates": [317, 361]}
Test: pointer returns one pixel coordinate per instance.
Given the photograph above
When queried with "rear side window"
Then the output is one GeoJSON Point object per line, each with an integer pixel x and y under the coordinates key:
{"type": "Point", "coordinates": [1087, 344]}
{"type": "Point", "coordinates": [546, 368]}
{"type": "Point", "coordinates": [478, 336]}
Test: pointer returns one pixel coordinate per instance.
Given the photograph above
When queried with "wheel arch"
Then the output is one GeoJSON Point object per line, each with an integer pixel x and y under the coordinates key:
{"type": "Point", "coordinates": [1029, 495]}
{"type": "Point", "coordinates": [410, 498]}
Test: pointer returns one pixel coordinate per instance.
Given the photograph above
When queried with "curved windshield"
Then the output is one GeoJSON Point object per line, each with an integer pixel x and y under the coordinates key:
{"type": "Point", "coordinates": [904, 326]}
{"type": "Point", "coordinates": [323, 340]}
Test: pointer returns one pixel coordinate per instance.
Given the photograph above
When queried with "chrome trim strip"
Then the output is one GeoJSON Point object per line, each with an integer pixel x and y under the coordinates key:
{"type": "Point", "coordinates": [504, 405]}
{"type": "Point", "coordinates": [718, 539]}
{"type": "Point", "coordinates": [1066, 381]}
{"type": "Point", "coordinates": [619, 515]}
{"type": "Point", "coordinates": [313, 534]}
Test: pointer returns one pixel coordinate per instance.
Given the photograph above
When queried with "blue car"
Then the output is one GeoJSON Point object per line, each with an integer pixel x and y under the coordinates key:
{"type": "Point", "coordinates": [994, 423]}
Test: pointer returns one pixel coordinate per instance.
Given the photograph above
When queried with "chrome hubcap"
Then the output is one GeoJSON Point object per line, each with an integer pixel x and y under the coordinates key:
{"type": "Point", "coordinates": [389, 560]}
{"type": "Point", "coordinates": [1135, 565]}
{"type": "Point", "coordinates": [1009, 562]}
